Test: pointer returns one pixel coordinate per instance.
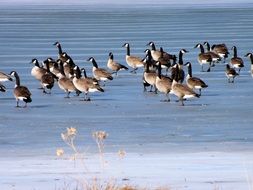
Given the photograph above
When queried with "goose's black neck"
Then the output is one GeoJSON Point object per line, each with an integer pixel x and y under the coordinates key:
{"type": "Point", "coordinates": [62, 69]}
{"type": "Point", "coordinates": [190, 70]}
{"type": "Point", "coordinates": [94, 63]}
{"type": "Point", "coordinates": [78, 73]}
{"type": "Point", "coordinates": [180, 58]}
{"type": "Point", "coordinates": [17, 79]}
{"type": "Point", "coordinates": [84, 73]}
{"type": "Point", "coordinates": [159, 70]}
{"type": "Point", "coordinates": [235, 52]}
{"type": "Point", "coordinates": [148, 59]}
{"type": "Point", "coordinates": [128, 50]}
{"type": "Point", "coordinates": [208, 46]}
{"type": "Point", "coordinates": [153, 47]}
{"type": "Point", "coordinates": [59, 49]}
{"type": "Point", "coordinates": [201, 48]}
{"type": "Point", "coordinates": [251, 59]}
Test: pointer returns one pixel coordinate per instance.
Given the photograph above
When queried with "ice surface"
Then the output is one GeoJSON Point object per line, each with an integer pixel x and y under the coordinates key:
{"type": "Point", "coordinates": [207, 142]}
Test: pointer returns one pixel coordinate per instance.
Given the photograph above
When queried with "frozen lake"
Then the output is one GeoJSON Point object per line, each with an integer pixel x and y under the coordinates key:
{"type": "Point", "coordinates": [211, 136]}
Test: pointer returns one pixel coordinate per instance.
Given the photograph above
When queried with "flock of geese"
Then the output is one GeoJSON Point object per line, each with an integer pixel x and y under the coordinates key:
{"type": "Point", "coordinates": [163, 72]}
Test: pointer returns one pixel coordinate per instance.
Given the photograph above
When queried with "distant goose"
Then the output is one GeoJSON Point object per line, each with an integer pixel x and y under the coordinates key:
{"type": "Point", "coordinates": [221, 50]}
{"type": "Point", "coordinates": [250, 55]}
{"type": "Point", "coordinates": [204, 58]}
{"type": "Point", "coordinates": [115, 66]}
{"type": "Point", "coordinates": [132, 61]}
{"type": "Point", "coordinates": [65, 83]}
{"type": "Point", "coordinates": [215, 57]}
{"type": "Point", "coordinates": [163, 84]}
{"type": "Point", "coordinates": [149, 77]}
{"type": "Point", "coordinates": [2, 88]}
{"type": "Point", "coordinates": [236, 62]}
{"type": "Point", "coordinates": [21, 92]}
{"type": "Point", "coordinates": [182, 91]}
{"type": "Point", "coordinates": [99, 73]}
{"type": "Point", "coordinates": [47, 80]}
{"type": "Point", "coordinates": [4, 77]}
{"type": "Point", "coordinates": [230, 73]}
{"type": "Point", "coordinates": [37, 71]}
{"type": "Point", "coordinates": [85, 85]}
{"type": "Point", "coordinates": [194, 82]}
{"type": "Point", "coordinates": [63, 56]}
{"type": "Point", "coordinates": [180, 72]}
{"type": "Point", "coordinates": [156, 54]}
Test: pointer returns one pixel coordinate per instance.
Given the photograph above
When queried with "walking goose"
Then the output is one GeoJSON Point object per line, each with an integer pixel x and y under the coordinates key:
{"type": "Point", "coordinates": [194, 82]}
{"type": "Point", "coordinates": [149, 77]}
{"type": "Point", "coordinates": [182, 91]}
{"type": "Point", "coordinates": [85, 85]}
{"type": "Point", "coordinates": [47, 80]}
{"type": "Point", "coordinates": [163, 83]}
{"type": "Point", "coordinates": [132, 61]}
{"type": "Point", "coordinates": [99, 73]}
{"type": "Point", "coordinates": [230, 73]}
{"type": "Point", "coordinates": [21, 92]}
{"type": "Point", "coordinates": [64, 82]}
{"type": "Point", "coordinates": [204, 58]}
{"type": "Point", "coordinates": [115, 66]}
{"type": "Point", "coordinates": [250, 55]}
{"type": "Point", "coordinates": [236, 62]}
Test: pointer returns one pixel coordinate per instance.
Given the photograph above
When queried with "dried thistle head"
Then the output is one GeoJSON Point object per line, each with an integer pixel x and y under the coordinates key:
{"type": "Point", "coordinates": [59, 152]}
{"type": "Point", "coordinates": [100, 135]}
{"type": "Point", "coordinates": [71, 131]}
{"type": "Point", "coordinates": [121, 153]}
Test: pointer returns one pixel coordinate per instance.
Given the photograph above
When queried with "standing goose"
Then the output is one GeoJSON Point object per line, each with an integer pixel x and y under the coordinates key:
{"type": "Point", "coordinates": [157, 54]}
{"type": "Point", "coordinates": [236, 62]}
{"type": "Point", "coordinates": [163, 84]}
{"type": "Point", "coordinates": [50, 61]}
{"type": "Point", "coordinates": [165, 63]}
{"type": "Point", "coordinates": [21, 92]}
{"type": "Point", "coordinates": [149, 77]}
{"type": "Point", "coordinates": [152, 65]}
{"type": "Point", "coordinates": [37, 71]}
{"type": "Point", "coordinates": [99, 73]}
{"type": "Point", "coordinates": [194, 82]}
{"type": "Point", "coordinates": [115, 66]}
{"type": "Point", "coordinates": [182, 91]}
{"type": "Point", "coordinates": [230, 73]}
{"type": "Point", "coordinates": [132, 61]}
{"type": "Point", "coordinates": [2, 88]}
{"type": "Point", "coordinates": [221, 50]}
{"type": "Point", "coordinates": [215, 57]}
{"type": "Point", "coordinates": [47, 80]}
{"type": "Point", "coordinates": [250, 55]}
{"type": "Point", "coordinates": [85, 85]}
{"type": "Point", "coordinates": [204, 58]}
{"type": "Point", "coordinates": [65, 83]}
{"type": "Point", "coordinates": [180, 72]}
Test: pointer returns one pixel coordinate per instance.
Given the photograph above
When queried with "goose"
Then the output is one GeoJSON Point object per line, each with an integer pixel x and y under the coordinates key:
{"type": "Point", "coordinates": [21, 92]}
{"type": "Point", "coordinates": [85, 85]}
{"type": "Point", "coordinates": [236, 62]}
{"type": "Point", "coordinates": [56, 69]}
{"type": "Point", "coordinates": [132, 61]}
{"type": "Point", "coordinates": [47, 80]}
{"type": "Point", "coordinates": [65, 83]}
{"type": "Point", "coordinates": [221, 50]}
{"type": "Point", "coordinates": [152, 62]}
{"type": "Point", "coordinates": [182, 91]}
{"type": "Point", "coordinates": [157, 54]}
{"type": "Point", "coordinates": [194, 82]}
{"type": "Point", "coordinates": [165, 63]}
{"type": "Point", "coordinates": [204, 58]}
{"type": "Point", "coordinates": [68, 68]}
{"type": "Point", "coordinates": [2, 88]}
{"type": "Point", "coordinates": [115, 66]}
{"type": "Point", "coordinates": [250, 55]}
{"type": "Point", "coordinates": [149, 77]}
{"type": "Point", "coordinates": [163, 83]}
{"type": "Point", "coordinates": [50, 61]}
{"type": "Point", "coordinates": [37, 71]}
{"type": "Point", "coordinates": [4, 77]}
{"type": "Point", "coordinates": [215, 57]}
{"type": "Point", "coordinates": [63, 55]}
{"type": "Point", "coordinates": [230, 73]}
{"type": "Point", "coordinates": [180, 72]}
{"type": "Point", "coordinates": [99, 73]}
